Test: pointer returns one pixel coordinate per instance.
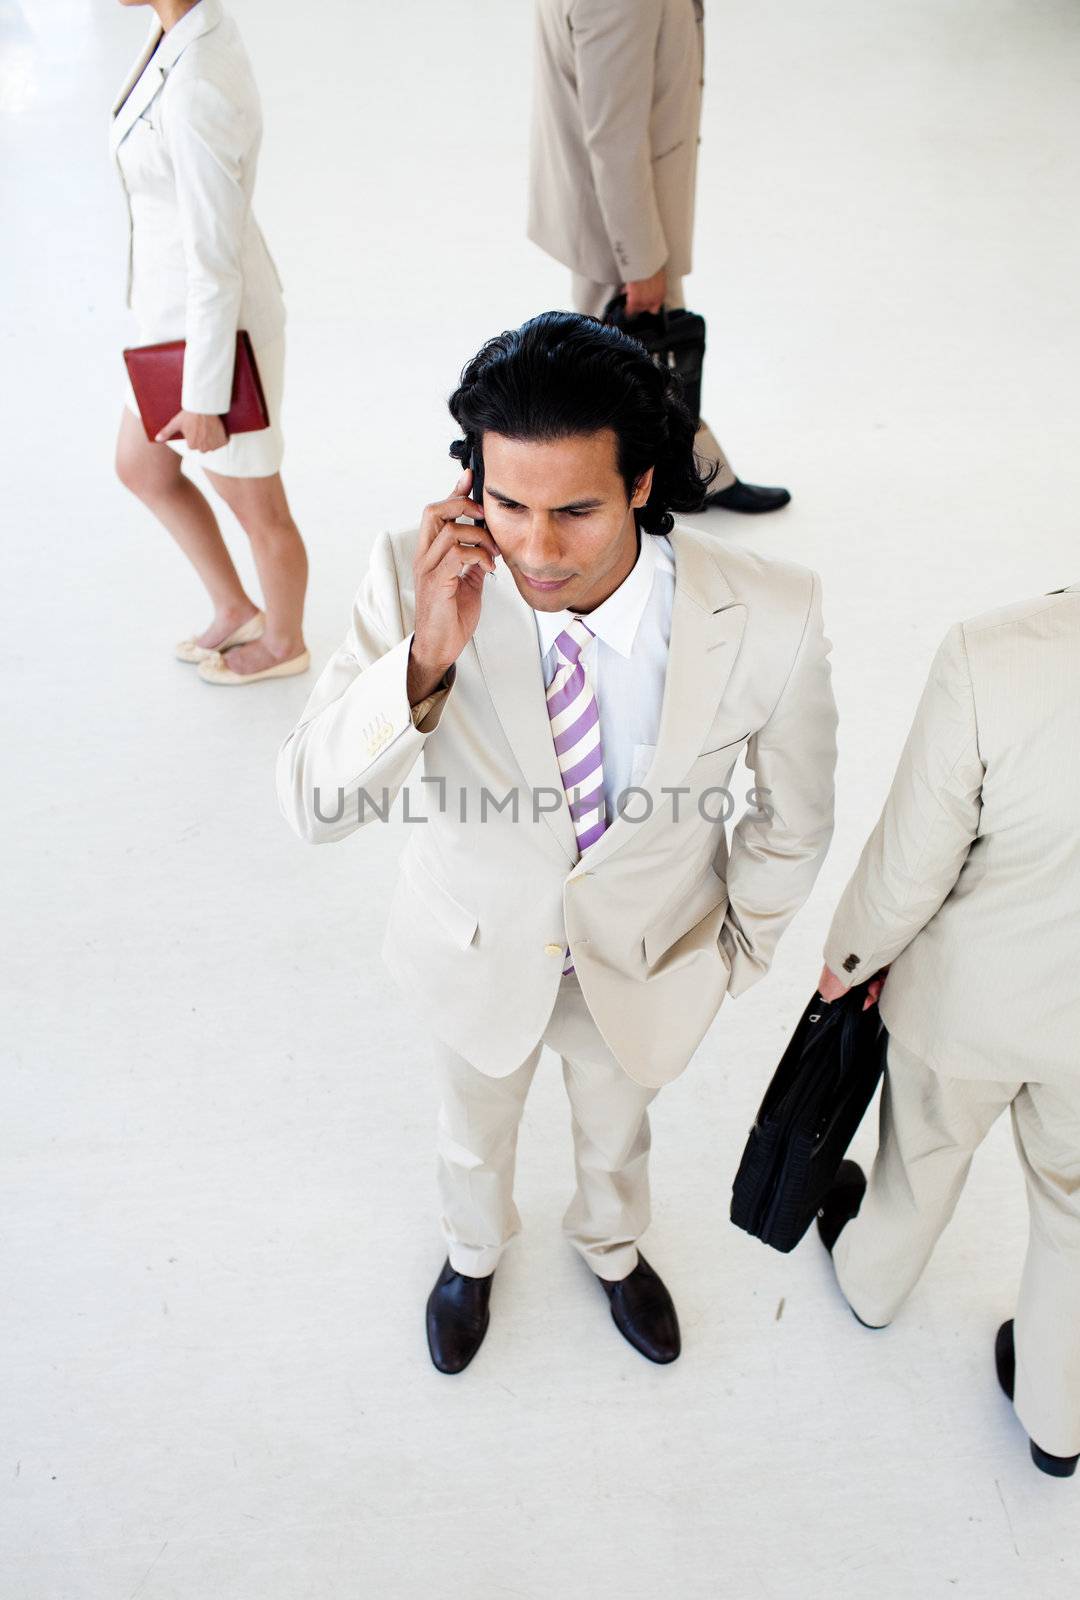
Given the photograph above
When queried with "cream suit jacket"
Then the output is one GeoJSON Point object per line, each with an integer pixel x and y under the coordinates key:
{"type": "Point", "coordinates": [970, 882]}
{"type": "Point", "coordinates": [616, 118]}
{"type": "Point", "coordinates": [185, 136]}
{"type": "Point", "coordinates": [661, 920]}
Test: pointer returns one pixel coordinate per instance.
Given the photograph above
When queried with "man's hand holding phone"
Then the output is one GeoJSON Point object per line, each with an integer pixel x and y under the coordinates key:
{"type": "Point", "coordinates": [451, 563]}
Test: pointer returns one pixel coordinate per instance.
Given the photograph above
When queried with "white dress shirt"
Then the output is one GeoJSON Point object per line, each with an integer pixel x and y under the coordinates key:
{"type": "Point", "coordinates": [626, 664]}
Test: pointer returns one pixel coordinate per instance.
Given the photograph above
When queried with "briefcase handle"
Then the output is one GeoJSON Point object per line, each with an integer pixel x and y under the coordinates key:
{"type": "Point", "coordinates": [615, 314]}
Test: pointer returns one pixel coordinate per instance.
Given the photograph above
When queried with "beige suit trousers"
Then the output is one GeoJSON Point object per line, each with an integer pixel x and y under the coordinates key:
{"type": "Point", "coordinates": [590, 298]}
{"type": "Point", "coordinates": [479, 1118]}
{"type": "Point", "coordinates": [931, 1126]}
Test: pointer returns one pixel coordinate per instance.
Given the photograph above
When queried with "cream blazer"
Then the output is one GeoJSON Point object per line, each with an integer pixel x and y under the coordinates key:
{"type": "Point", "coordinates": [662, 916]}
{"type": "Point", "coordinates": [185, 136]}
{"type": "Point", "coordinates": [970, 882]}
{"type": "Point", "coordinates": [615, 134]}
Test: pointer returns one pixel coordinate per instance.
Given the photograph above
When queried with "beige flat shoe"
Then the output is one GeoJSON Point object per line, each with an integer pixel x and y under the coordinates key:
{"type": "Point", "coordinates": [188, 650]}
{"type": "Point", "coordinates": [215, 669]}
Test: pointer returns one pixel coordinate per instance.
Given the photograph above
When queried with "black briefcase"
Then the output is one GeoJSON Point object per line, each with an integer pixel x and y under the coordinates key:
{"type": "Point", "coordinates": [674, 339]}
{"type": "Point", "coordinates": [815, 1102]}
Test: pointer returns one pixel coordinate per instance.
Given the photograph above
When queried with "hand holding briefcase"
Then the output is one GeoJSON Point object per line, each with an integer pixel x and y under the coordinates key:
{"type": "Point", "coordinates": [674, 338]}
{"type": "Point", "coordinates": [817, 1098]}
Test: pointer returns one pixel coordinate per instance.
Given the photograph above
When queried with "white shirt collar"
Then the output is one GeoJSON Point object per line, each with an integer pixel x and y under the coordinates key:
{"type": "Point", "coordinates": [616, 619]}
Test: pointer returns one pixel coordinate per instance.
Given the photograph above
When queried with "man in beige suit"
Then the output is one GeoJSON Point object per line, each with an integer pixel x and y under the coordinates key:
{"type": "Point", "coordinates": [578, 676]}
{"type": "Point", "coordinates": [613, 166]}
{"type": "Point", "coordinates": [967, 892]}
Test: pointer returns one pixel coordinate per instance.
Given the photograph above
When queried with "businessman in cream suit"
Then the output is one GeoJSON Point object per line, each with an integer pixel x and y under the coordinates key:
{"type": "Point", "coordinates": [577, 659]}
{"type": "Point", "coordinates": [966, 893]}
{"type": "Point", "coordinates": [613, 166]}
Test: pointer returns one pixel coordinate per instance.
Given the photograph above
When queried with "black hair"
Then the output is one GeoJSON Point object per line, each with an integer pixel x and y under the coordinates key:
{"type": "Point", "coordinates": [562, 374]}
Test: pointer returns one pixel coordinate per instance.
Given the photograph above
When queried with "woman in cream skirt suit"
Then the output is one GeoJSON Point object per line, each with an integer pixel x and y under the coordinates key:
{"type": "Point", "coordinates": [185, 136]}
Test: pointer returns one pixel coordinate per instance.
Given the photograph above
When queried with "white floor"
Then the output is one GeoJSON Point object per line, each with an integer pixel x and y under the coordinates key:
{"type": "Point", "coordinates": [217, 1200]}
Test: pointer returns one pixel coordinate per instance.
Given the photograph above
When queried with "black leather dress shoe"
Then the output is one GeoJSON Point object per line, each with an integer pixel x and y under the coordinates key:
{"type": "Point", "coordinates": [1005, 1362]}
{"type": "Point", "coordinates": [457, 1318]}
{"type": "Point", "coordinates": [644, 1314]}
{"type": "Point", "coordinates": [841, 1203]}
{"type": "Point", "coordinates": [749, 498]}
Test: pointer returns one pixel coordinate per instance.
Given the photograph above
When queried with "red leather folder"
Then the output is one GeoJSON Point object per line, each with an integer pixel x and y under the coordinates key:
{"type": "Point", "coordinates": [157, 376]}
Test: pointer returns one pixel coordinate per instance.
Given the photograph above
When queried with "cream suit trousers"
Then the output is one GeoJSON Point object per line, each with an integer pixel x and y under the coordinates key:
{"type": "Point", "coordinates": [590, 298]}
{"type": "Point", "coordinates": [478, 1128]}
{"type": "Point", "coordinates": [931, 1127]}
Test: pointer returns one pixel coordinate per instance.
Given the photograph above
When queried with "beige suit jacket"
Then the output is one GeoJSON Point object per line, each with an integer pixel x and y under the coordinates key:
{"type": "Point", "coordinates": [970, 882]}
{"type": "Point", "coordinates": [661, 917]}
{"type": "Point", "coordinates": [615, 134]}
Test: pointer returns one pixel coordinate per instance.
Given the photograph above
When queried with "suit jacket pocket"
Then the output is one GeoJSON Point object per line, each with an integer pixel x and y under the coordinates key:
{"type": "Point", "coordinates": [716, 749]}
{"type": "Point", "coordinates": [455, 919]}
{"type": "Point", "coordinates": [684, 930]}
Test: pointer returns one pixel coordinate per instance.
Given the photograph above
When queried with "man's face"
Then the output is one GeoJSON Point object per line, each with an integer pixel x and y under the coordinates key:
{"type": "Point", "coordinates": [559, 513]}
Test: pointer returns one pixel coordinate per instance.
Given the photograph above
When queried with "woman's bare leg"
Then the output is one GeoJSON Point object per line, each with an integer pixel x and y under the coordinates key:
{"type": "Point", "coordinates": [260, 507]}
{"type": "Point", "coordinates": [153, 474]}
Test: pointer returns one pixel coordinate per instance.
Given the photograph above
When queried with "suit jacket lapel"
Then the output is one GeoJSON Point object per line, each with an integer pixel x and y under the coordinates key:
{"type": "Point", "coordinates": [707, 624]}
{"type": "Point", "coordinates": [144, 80]}
{"type": "Point", "coordinates": [139, 88]}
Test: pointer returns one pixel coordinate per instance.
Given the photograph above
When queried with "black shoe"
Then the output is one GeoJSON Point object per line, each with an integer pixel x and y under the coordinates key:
{"type": "Point", "coordinates": [457, 1318]}
{"type": "Point", "coordinates": [748, 498]}
{"type": "Point", "coordinates": [1005, 1362]}
{"type": "Point", "coordinates": [841, 1203]}
{"type": "Point", "coordinates": [644, 1314]}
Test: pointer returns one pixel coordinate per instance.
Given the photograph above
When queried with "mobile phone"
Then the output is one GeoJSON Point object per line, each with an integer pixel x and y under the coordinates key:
{"type": "Point", "coordinates": [469, 455]}
{"type": "Point", "coordinates": [476, 462]}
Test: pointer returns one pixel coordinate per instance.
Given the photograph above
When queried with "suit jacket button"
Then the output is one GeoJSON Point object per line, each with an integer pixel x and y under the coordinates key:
{"type": "Point", "coordinates": [553, 949]}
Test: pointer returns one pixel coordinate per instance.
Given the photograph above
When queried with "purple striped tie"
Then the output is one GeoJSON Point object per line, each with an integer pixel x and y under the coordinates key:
{"type": "Point", "coordinates": [575, 728]}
